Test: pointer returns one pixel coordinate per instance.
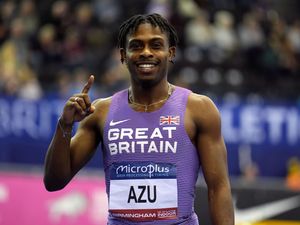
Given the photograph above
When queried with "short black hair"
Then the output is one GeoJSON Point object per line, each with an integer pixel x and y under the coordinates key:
{"type": "Point", "coordinates": [155, 19]}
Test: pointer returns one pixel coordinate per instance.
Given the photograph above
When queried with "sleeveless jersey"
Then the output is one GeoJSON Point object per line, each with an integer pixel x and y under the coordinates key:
{"type": "Point", "coordinates": [151, 166]}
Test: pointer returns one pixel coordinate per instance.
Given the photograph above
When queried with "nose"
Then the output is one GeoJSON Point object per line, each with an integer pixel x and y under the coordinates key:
{"type": "Point", "coordinates": [146, 52]}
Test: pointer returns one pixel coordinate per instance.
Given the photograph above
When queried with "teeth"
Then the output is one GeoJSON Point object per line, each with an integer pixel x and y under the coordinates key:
{"type": "Point", "coordinates": [146, 65]}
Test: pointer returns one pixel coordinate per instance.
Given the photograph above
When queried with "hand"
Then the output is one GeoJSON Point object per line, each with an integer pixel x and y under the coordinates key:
{"type": "Point", "coordinates": [79, 105]}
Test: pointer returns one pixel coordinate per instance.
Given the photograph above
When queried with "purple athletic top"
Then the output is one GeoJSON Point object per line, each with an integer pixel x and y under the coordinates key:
{"type": "Point", "coordinates": [151, 166]}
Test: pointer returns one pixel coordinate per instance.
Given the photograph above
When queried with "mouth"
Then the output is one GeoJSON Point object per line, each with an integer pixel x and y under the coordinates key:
{"type": "Point", "coordinates": [146, 67]}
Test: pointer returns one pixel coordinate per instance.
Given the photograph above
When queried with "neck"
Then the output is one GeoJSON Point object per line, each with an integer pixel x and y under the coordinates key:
{"type": "Point", "coordinates": [151, 104]}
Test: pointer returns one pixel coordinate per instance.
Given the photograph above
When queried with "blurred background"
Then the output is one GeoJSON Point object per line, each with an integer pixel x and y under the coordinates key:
{"type": "Point", "coordinates": [244, 54]}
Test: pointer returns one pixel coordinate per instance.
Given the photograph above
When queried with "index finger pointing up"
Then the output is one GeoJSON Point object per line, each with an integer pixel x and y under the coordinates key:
{"type": "Point", "coordinates": [88, 84]}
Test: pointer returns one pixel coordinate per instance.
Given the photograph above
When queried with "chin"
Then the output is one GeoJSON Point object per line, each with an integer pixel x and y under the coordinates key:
{"type": "Point", "coordinates": [145, 76]}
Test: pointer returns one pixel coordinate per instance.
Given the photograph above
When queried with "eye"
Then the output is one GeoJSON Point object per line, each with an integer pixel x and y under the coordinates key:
{"type": "Point", "coordinates": [157, 45]}
{"type": "Point", "coordinates": [135, 46]}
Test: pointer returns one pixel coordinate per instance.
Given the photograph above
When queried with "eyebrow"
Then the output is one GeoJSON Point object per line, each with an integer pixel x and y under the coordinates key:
{"type": "Point", "coordinates": [140, 40]}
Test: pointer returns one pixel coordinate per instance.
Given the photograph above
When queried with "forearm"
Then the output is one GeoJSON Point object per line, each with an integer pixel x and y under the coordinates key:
{"type": "Point", "coordinates": [63, 161]}
{"type": "Point", "coordinates": [58, 170]}
{"type": "Point", "coordinates": [220, 204]}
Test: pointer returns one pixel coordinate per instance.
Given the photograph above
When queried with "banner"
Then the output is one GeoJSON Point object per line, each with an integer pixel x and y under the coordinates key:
{"type": "Point", "coordinates": [265, 125]}
{"type": "Point", "coordinates": [24, 200]}
{"type": "Point", "coordinates": [266, 135]}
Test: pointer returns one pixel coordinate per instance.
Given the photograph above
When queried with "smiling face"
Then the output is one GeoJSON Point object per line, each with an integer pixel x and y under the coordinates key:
{"type": "Point", "coordinates": [147, 54]}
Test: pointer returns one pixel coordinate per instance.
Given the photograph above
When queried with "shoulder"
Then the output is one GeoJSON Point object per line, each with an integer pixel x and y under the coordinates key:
{"type": "Point", "coordinates": [102, 107]}
{"type": "Point", "coordinates": [202, 110]}
{"type": "Point", "coordinates": [98, 117]}
{"type": "Point", "coordinates": [197, 101]}
{"type": "Point", "coordinates": [194, 98]}
{"type": "Point", "coordinates": [102, 103]}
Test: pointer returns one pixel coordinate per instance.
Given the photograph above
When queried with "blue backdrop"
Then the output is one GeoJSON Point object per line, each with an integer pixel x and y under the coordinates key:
{"type": "Point", "coordinates": [264, 134]}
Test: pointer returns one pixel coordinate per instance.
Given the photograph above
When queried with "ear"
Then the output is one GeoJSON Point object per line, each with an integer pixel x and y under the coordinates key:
{"type": "Point", "coordinates": [123, 55]}
{"type": "Point", "coordinates": [172, 53]}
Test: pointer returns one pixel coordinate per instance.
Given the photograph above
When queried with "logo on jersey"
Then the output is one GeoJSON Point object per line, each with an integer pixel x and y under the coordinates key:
{"type": "Point", "coordinates": [169, 120]}
{"type": "Point", "coordinates": [114, 123]}
{"type": "Point", "coordinates": [143, 191]}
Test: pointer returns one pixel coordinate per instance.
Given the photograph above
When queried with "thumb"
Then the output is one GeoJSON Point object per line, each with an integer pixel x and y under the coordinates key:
{"type": "Point", "coordinates": [91, 110]}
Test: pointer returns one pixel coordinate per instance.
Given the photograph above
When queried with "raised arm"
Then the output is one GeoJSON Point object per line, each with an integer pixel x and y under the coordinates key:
{"type": "Point", "coordinates": [213, 156]}
{"type": "Point", "coordinates": [67, 155]}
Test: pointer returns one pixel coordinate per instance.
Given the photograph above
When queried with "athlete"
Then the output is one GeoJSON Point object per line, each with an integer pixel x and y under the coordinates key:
{"type": "Point", "coordinates": [155, 137]}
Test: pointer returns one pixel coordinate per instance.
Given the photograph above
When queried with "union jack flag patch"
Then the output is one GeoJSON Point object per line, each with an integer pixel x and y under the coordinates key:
{"type": "Point", "coordinates": [169, 120]}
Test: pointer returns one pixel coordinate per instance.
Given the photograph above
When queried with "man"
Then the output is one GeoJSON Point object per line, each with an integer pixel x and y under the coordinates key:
{"type": "Point", "coordinates": [154, 137]}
